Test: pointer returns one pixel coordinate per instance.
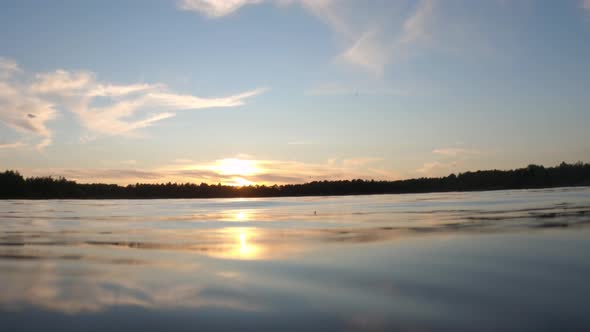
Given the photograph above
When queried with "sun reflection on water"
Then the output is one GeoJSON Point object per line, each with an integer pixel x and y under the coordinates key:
{"type": "Point", "coordinates": [237, 216]}
{"type": "Point", "coordinates": [247, 250]}
{"type": "Point", "coordinates": [238, 240]}
{"type": "Point", "coordinates": [240, 245]}
{"type": "Point", "coordinates": [241, 216]}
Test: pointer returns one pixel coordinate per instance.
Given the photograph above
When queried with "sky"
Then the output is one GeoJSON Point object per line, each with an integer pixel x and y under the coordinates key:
{"type": "Point", "coordinates": [289, 91]}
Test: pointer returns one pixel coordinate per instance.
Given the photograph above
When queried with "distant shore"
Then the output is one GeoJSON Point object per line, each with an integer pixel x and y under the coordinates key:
{"type": "Point", "coordinates": [14, 186]}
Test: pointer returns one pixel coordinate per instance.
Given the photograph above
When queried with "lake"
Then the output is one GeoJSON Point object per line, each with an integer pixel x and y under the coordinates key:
{"type": "Point", "coordinates": [477, 261]}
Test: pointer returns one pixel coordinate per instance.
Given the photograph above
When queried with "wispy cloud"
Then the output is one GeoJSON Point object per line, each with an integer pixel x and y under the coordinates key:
{"type": "Point", "coordinates": [11, 145]}
{"type": "Point", "coordinates": [447, 160]}
{"type": "Point", "coordinates": [215, 8]}
{"type": "Point", "coordinates": [28, 104]}
{"type": "Point", "coordinates": [231, 171]}
{"type": "Point", "coordinates": [8, 67]}
{"type": "Point", "coordinates": [243, 171]}
{"type": "Point", "coordinates": [455, 152]}
{"type": "Point", "coordinates": [418, 26]}
{"type": "Point", "coordinates": [358, 162]}
{"type": "Point", "coordinates": [376, 35]}
{"type": "Point", "coordinates": [450, 159]}
{"type": "Point", "coordinates": [364, 29]}
{"type": "Point", "coordinates": [79, 89]}
{"type": "Point", "coordinates": [62, 82]}
{"type": "Point", "coordinates": [380, 46]}
{"type": "Point", "coordinates": [436, 168]}
{"type": "Point", "coordinates": [26, 112]}
{"type": "Point", "coordinates": [368, 52]}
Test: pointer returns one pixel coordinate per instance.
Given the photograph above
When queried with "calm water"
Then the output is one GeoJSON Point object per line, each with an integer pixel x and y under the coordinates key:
{"type": "Point", "coordinates": [515, 260]}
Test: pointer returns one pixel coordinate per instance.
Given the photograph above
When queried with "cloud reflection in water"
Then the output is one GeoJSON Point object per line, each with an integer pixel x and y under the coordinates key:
{"type": "Point", "coordinates": [370, 263]}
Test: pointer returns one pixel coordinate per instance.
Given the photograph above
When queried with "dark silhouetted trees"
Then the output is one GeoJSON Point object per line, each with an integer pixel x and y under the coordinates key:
{"type": "Point", "coordinates": [14, 185]}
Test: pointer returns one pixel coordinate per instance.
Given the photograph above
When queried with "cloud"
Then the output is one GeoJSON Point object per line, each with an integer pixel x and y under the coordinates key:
{"type": "Point", "coordinates": [180, 102]}
{"type": "Point", "coordinates": [44, 143]}
{"type": "Point", "coordinates": [102, 108]}
{"type": "Point", "coordinates": [367, 30]}
{"type": "Point", "coordinates": [357, 162]}
{"type": "Point", "coordinates": [417, 26]}
{"type": "Point", "coordinates": [452, 158]}
{"type": "Point", "coordinates": [437, 168]}
{"type": "Point", "coordinates": [380, 46]}
{"type": "Point", "coordinates": [215, 8]}
{"type": "Point", "coordinates": [455, 152]}
{"type": "Point", "coordinates": [51, 288]}
{"type": "Point", "coordinates": [8, 67]}
{"type": "Point", "coordinates": [368, 52]}
{"type": "Point", "coordinates": [11, 145]}
{"type": "Point", "coordinates": [62, 82]}
{"type": "Point", "coordinates": [586, 4]}
{"type": "Point", "coordinates": [25, 112]}
{"type": "Point", "coordinates": [231, 171]}
{"type": "Point", "coordinates": [375, 36]}
{"type": "Point", "coordinates": [79, 89]}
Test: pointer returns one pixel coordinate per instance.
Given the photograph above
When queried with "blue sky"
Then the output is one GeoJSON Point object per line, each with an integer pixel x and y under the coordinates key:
{"type": "Point", "coordinates": [275, 91]}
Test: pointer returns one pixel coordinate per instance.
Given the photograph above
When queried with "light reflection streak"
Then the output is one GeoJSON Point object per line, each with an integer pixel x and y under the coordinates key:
{"type": "Point", "coordinates": [240, 246]}
{"type": "Point", "coordinates": [241, 216]}
{"type": "Point", "coordinates": [247, 250]}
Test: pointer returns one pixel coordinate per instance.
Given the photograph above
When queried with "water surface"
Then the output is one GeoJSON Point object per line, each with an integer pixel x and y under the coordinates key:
{"type": "Point", "coordinates": [486, 261]}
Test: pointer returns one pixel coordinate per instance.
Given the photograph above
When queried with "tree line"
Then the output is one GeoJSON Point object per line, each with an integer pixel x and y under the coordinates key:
{"type": "Point", "coordinates": [14, 186]}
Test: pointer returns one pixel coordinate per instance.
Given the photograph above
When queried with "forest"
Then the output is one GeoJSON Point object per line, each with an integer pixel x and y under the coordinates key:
{"type": "Point", "coordinates": [14, 186]}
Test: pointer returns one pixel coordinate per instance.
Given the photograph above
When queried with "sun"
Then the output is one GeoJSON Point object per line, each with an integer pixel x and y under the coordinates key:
{"type": "Point", "coordinates": [241, 182]}
{"type": "Point", "coordinates": [238, 167]}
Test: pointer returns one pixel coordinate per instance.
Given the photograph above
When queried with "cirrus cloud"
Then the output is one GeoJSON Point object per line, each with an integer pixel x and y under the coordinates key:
{"type": "Point", "coordinates": [363, 29]}
{"type": "Point", "coordinates": [29, 102]}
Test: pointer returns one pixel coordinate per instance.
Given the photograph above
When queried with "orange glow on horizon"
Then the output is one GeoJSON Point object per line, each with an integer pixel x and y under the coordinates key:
{"type": "Point", "coordinates": [240, 182]}
{"type": "Point", "coordinates": [238, 169]}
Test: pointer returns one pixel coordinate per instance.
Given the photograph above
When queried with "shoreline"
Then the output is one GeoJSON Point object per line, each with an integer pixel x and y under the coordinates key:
{"type": "Point", "coordinates": [285, 196]}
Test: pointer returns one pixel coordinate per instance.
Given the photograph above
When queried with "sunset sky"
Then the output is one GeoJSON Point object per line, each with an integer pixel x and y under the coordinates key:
{"type": "Point", "coordinates": [289, 91]}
